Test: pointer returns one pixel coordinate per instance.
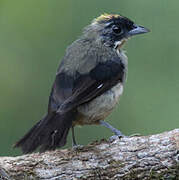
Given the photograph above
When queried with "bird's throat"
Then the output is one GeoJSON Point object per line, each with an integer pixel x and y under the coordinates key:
{"type": "Point", "coordinates": [119, 44]}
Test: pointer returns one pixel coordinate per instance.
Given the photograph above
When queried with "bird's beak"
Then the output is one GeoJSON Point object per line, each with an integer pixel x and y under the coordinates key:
{"type": "Point", "coordinates": [137, 30]}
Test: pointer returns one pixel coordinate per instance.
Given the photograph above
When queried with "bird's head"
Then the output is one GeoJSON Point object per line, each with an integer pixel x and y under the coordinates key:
{"type": "Point", "coordinates": [113, 30]}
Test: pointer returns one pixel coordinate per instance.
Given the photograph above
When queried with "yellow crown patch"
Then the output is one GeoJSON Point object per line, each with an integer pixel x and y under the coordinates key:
{"type": "Point", "coordinates": [106, 17]}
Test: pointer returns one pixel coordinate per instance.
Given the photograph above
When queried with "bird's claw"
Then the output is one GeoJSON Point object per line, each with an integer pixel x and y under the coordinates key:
{"type": "Point", "coordinates": [77, 147]}
{"type": "Point", "coordinates": [115, 137]}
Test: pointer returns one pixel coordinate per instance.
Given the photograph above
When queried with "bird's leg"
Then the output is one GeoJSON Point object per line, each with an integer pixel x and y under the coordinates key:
{"type": "Point", "coordinates": [114, 130]}
{"type": "Point", "coordinates": [73, 137]}
{"type": "Point", "coordinates": [75, 146]}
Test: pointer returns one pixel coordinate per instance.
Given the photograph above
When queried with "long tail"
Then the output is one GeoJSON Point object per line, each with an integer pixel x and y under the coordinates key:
{"type": "Point", "coordinates": [48, 134]}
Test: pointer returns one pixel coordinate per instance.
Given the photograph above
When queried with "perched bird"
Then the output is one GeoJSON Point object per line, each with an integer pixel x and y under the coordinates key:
{"type": "Point", "coordinates": [88, 83]}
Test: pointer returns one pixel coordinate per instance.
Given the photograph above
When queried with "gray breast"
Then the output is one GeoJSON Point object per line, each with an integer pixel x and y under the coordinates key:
{"type": "Point", "coordinates": [101, 106]}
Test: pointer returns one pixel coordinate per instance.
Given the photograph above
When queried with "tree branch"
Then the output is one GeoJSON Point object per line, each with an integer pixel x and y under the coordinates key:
{"type": "Point", "coordinates": [131, 158]}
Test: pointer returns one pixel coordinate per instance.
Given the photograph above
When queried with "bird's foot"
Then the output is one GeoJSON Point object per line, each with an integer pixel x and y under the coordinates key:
{"type": "Point", "coordinates": [113, 138]}
{"type": "Point", "coordinates": [117, 135]}
{"type": "Point", "coordinates": [77, 147]}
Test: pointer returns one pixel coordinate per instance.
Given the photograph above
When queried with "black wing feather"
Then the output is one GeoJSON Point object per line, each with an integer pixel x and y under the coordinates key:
{"type": "Point", "coordinates": [61, 91]}
{"type": "Point", "coordinates": [88, 86]}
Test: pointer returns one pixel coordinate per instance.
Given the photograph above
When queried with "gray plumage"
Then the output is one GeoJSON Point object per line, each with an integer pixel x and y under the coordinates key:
{"type": "Point", "coordinates": [88, 83]}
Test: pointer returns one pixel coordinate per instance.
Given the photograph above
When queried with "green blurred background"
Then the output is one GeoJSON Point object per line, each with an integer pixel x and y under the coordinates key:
{"type": "Point", "coordinates": [33, 37]}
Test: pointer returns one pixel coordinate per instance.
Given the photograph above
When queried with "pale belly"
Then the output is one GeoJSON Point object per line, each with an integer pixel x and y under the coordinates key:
{"type": "Point", "coordinates": [100, 107]}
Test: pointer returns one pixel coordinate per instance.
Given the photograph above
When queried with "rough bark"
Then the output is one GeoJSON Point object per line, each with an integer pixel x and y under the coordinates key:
{"type": "Point", "coordinates": [145, 157]}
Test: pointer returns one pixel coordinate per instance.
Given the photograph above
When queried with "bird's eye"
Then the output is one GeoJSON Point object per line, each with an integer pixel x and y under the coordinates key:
{"type": "Point", "coordinates": [117, 30]}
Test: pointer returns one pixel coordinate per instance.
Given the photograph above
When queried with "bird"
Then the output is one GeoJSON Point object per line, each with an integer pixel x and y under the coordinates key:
{"type": "Point", "coordinates": [88, 83]}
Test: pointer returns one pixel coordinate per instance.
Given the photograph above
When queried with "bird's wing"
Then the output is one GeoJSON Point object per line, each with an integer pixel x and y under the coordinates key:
{"type": "Point", "coordinates": [69, 92]}
{"type": "Point", "coordinates": [86, 87]}
{"type": "Point", "coordinates": [61, 91]}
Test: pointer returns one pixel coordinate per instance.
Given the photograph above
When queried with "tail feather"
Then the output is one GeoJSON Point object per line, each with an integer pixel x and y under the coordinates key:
{"type": "Point", "coordinates": [48, 134]}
